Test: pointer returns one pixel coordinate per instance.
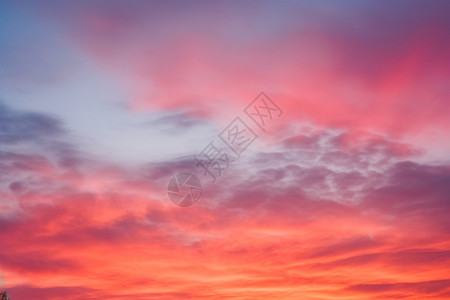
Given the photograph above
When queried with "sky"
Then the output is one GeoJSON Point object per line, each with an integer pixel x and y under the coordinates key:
{"type": "Point", "coordinates": [307, 140]}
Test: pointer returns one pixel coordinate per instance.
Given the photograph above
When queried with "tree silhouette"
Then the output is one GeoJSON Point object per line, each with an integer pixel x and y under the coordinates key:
{"type": "Point", "coordinates": [4, 296]}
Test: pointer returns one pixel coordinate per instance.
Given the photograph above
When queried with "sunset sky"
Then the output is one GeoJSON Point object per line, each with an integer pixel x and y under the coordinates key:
{"type": "Point", "coordinates": [343, 194]}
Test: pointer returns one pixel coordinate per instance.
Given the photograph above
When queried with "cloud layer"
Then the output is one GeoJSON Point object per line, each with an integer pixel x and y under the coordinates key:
{"type": "Point", "coordinates": [334, 201]}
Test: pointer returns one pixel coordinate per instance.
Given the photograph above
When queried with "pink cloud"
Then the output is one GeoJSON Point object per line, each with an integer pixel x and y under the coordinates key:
{"type": "Point", "coordinates": [378, 77]}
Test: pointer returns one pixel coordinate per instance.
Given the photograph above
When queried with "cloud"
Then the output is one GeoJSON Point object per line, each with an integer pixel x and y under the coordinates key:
{"type": "Point", "coordinates": [30, 292]}
{"type": "Point", "coordinates": [176, 123]}
{"type": "Point", "coordinates": [263, 237]}
{"type": "Point", "coordinates": [391, 290]}
{"type": "Point", "coordinates": [413, 194]}
{"type": "Point", "coordinates": [279, 222]}
{"type": "Point", "coordinates": [334, 209]}
{"type": "Point", "coordinates": [22, 126]}
{"type": "Point", "coordinates": [322, 63]}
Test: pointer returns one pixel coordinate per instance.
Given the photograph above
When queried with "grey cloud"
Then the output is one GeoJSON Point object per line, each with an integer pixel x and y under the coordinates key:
{"type": "Point", "coordinates": [17, 126]}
